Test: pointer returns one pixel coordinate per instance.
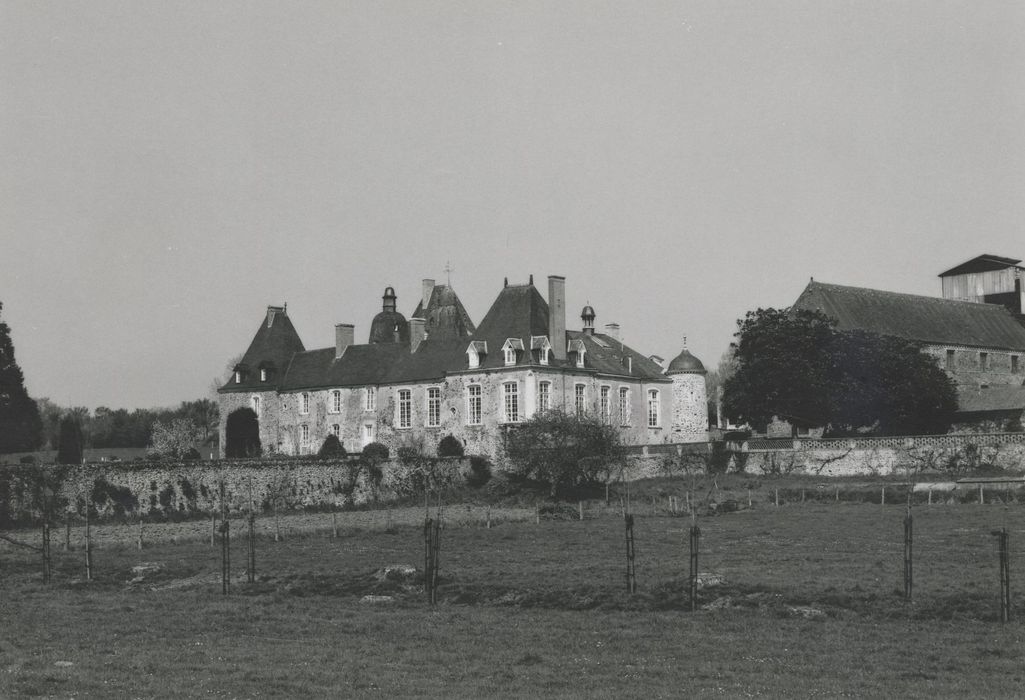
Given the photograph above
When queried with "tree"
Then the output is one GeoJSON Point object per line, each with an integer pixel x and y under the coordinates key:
{"type": "Point", "coordinates": [797, 366]}
{"type": "Point", "coordinates": [174, 438]}
{"type": "Point", "coordinates": [21, 428]}
{"type": "Point", "coordinates": [332, 447]}
{"type": "Point", "coordinates": [70, 445]}
{"type": "Point", "coordinates": [562, 450]}
{"type": "Point", "coordinates": [450, 446]}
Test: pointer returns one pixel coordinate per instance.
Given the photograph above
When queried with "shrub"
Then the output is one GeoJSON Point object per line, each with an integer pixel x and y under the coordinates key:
{"type": "Point", "coordinates": [480, 472]}
{"type": "Point", "coordinates": [191, 455]}
{"type": "Point", "coordinates": [450, 446]}
{"type": "Point", "coordinates": [332, 447]}
{"type": "Point", "coordinates": [28, 459]}
{"type": "Point", "coordinates": [376, 451]}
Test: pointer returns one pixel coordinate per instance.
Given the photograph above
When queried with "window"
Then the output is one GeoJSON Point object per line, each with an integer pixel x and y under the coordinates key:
{"type": "Point", "coordinates": [1014, 364]}
{"type": "Point", "coordinates": [580, 357]}
{"type": "Point", "coordinates": [473, 404]}
{"type": "Point", "coordinates": [544, 396]}
{"type": "Point", "coordinates": [433, 407]}
{"type": "Point", "coordinates": [510, 356]}
{"type": "Point", "coordinates": [370, 399]}
{"type": "Point", "coordinates": [511, 402]}
{"type": "Point", "coordinates": [336, 401]}
{"type": "Point", "coordinates": [605, 405]}
{"type": "Point", "coordinates": [544, 355]}
{"type": "Point", "coordinates": [304, 403]}
{"type": "Point", "coordinates": [654, 419]}
{"type": "Point", "coordinates": [368, 433]}
{"type": "Point", "coordinates": [336, 430]}
{"type": "Point", "coordinates": [263, 375]}
{"type": "Point", "coordinates": [304, 434]}
{"type": "Point", "coordinates": [238, 377]}
{"type": "Point", "coordinates": [405, 408]}
{"type": "Point", "coordinates": [580, 398]}
{"type": "Point", "coordinates": [950, 360]}
{"type": "Point", "coordinates": [983, 361]}
{"type": "Point", "coordinates": [256, 406]}
{"type": "Point", "coordinates": [624, 406]}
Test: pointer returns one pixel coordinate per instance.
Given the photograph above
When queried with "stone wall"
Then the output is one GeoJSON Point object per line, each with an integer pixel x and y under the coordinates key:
{"type": "Point", "coordinates": [965, 365]}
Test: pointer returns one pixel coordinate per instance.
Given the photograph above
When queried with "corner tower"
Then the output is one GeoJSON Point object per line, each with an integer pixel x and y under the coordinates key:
{"type": "Point", "coordinates": [690, 399]}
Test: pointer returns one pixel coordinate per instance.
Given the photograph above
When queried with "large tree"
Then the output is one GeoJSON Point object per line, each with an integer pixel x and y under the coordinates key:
{"type": "Point", "coordinates": [21, 428]}
{"type": "Point", "coordinates": [796, 365]}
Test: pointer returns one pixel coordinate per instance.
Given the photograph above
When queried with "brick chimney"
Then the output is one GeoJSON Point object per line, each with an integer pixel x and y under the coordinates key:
{"type": "Point", "coordinates": [612, 330]}
{"type": "Point", "coordinates": [557, 315]}
{"type": "Point", "coordinates": [345, 335]}
{"type": "Point", "coordinates": [417, 333]}
{"type": "Point", "coordinates": [428, 287]}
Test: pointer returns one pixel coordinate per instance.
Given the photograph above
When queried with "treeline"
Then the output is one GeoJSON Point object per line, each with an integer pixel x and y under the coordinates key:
{"type": "Point", "coordinates": [119, 427]}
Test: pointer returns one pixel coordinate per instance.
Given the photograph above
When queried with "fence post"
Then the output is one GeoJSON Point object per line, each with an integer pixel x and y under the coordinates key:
{"type": "Point", "coordinates": [46, 551]}
{"type": "Point", "coordinates": [277, 522]}
{"type": "Point", "coordinates": [981, 497]}
{"type": "Point", "coordinates": [88, 546]}
{"type": "Point", "coordinates": [631, 574]}
{"type": "Point", "coordinates": [251, 564]}
{"type": "Point", "coordinates": [67, 531]}
{"type": "Point", "coordinates": [213, 528]}
{"type": "Point", "coordinates": [695, 539]}
{"type": "Point", "coordinates": [225, 544]}
{"type": "Point", "coordinates": [837, 495]}
{"type": "Point", "coordinates": [334, 523]}
{"type": "Point", "coordinates": [882, 497]}
{"type": "Point", "coordinates": [908, 540]}
{"type": "Point", "coordinates": [930, 494]}
{"type": "Point", "coordinates": [140, 531]}
{"type": "Point", "coordinates": [580, 509]}
{"type": "Point", "coordinates": [749, 498]}
{"type": "Point", "coordinates": [777, 497]}
{"type": "Point", "coordinates": [537, 512]}
{"type": "Point", "coordinates": [1005, 575]}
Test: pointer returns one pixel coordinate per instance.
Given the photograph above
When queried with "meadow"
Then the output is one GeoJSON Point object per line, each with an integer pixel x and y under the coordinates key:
{"type": "Point", "coordinates": [809, 603]}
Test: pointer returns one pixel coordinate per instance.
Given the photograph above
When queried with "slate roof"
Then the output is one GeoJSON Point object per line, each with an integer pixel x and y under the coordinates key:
{"type": "Point", "coordinates": [519, 311]}
{"type": "Point", "coordinates": [920, 318]}
{"type": "Point", "coordinates": [445, 317]}
{"type": "Point", "coordinates": [992, 398]}
{"type": "Point", "coordinates": [272, 347]}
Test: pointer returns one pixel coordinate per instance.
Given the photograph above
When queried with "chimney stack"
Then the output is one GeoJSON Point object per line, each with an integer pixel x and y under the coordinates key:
{"type": "Point", "coordinates": [417, 333]}
{"type": "Point", "coordinates": [428, 288]}
{"type": "Point", "coordinates": [557, 316]}
{"type": "Point", "coordinates": [612, 330]}
{"type": "Point", "coordinates": [345, 335]}
{"type": "Point", "coordinates": [273, 311]}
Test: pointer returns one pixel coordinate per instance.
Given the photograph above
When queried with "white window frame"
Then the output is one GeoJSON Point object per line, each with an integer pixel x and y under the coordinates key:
{"type": "Point", "coordinates": [624, 406]}
{"type": "Point", "coordinates": [255, 402]}
{"type": "Point", "coordinates": [605, 404]}
{"type": "Point", "coordinates": [654, 409]}
{"type": "Point", "coordinates": [510, 356]}
{"type": "Point", "coordinates": [433, 406]}
{"type": "Point", "coordinates": [405, 408]}
{"type": "Point", "coordinates": [304, 434]}
{"type": "Point", "coordinates": [370, 398]}
{"type": "Point", "coordinates": [474, 404]}
{"type": "Point", "coordinates": [544, 396]}
{"type": "Point", "coordinates": [336, 401]}
{"type": "Point", "coordinates": [238, 377]}
{"type": "Point", "coordinates": [263, 374]}
{"type": "Point", "coordinates": [336, 430]}
{"type": "Point", "coordinates": [580, 398]}
{"type": "Point", "coordinates": [304, 403]}
{"type": "Point", "coordinates": [511, 402]}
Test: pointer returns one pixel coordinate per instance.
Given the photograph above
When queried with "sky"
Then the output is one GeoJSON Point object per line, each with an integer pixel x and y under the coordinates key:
{"type": "Point", "coordinates": [169, 169]}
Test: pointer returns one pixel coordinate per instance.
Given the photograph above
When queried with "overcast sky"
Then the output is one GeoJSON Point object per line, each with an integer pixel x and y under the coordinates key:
{"type": "Point", "coordinates": [171, 168]}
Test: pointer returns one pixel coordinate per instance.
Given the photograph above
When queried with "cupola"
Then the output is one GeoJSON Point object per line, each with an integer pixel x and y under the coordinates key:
{"type": "Point", "coordinates": [587, 316]}
{"type": "Point", "coordinates": [685, 362]}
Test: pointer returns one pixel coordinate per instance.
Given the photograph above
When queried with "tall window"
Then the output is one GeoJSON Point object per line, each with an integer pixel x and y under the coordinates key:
{"type": "Point", "coordinates": [580, 399]}
{"type": "Point", "coordinates": [544, 396]}
{"type": "Point", "coordinates": [624, 406]}
{"type": "Point", "coordinates": [238, 377]}
{"type": "Point", "coordinates": [983, 361]}
{"type": "Point", "coordinates": [336, 430]}
{"type": "Point", "coordinates": [1014, 364]}
{"type": "Point", "coordinates": [370, 399]}
{"type": "Point", "coordinates": [336, 401]}
{"type": "Point", "coordinates": [304, 403]}
{"type": "Point", "coordinates": [256, 406]}
{"type": "Point", "coordinates": [606, 405]}
{"type": "Point", "coordinates": [405, 408]}
{"type": "Point", "coordinates": [263, 375]}
{"type": "Point", "coordinates": [654, 419]}
{"type": "Point", "coordinates": [950, 360]}
{"type": "Point", "coordinates": [511, 402]}
{"type": "Point", "coordinates": [510, 356]}
{"type": "Point", "coordinates": [433, 407]}
{"type": "Point", "coordinates": [473, 404]}
{"type": "Point", "coordinates": [304, 434]}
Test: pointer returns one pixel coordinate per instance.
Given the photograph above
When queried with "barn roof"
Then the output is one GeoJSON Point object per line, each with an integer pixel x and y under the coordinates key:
{"type": "Point", "coordinates": [920, 318]}
{"type": "Point", "coordinates": [981, 263]}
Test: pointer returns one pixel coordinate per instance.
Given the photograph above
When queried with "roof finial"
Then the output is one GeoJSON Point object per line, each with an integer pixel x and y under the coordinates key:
{"type": "Point", "coordinates": [532, 279]}
{"type": "Point", "coordinates": [448, 273]}
{"type": "Point", "coordinates": [684, 342]}
{"type": "Point", "coordinates": [506, 282]}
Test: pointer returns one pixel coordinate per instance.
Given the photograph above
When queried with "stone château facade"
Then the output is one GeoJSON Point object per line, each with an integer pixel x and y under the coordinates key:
{"type": "Point", "coordinates": [436, 374]}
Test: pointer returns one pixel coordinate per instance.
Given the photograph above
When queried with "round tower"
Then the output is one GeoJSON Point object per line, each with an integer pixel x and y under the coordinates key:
{"type": "Point", "coordinates": [690, 399]}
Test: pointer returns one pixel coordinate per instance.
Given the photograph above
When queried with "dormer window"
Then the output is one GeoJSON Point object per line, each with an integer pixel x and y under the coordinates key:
{"type": "Point", "coordinates": [510, 349]}
{"type": "Point", "coordinates": [577, 346]}
{"type": "Point", "coordinates": [238, 376]}
{"type": "Point", "coordinates": [263, 375]}
{"type": "Point", "coordinates": [540, 345]}
{"type": "Point", "coordinates": [475, 353]}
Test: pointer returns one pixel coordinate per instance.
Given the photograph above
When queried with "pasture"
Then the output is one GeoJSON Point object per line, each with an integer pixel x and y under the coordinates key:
{"type": "Point", "coordinates": [811, 604]}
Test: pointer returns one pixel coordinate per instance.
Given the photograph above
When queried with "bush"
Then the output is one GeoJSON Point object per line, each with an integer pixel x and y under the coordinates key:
{"type": "Point", "coordinates": [480, 472]}
{"type": "Point", "coordinates": [28, 459]}
{"type": "Point", "coordinates": [191, 455]}
{"type": "Point", "coordinates": [332, 447]}
{"type": "Point", "coordinates": [376, 451]}
{"type": "Point", "coordinates": [450, 446]}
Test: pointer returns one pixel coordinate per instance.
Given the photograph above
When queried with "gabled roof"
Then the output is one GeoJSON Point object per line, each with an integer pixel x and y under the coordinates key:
{"type": "Point", "coordinates": [920, 318]}
{"type": "Point", "coordinates": [445, 318]}
{"type": "Point", "coordinates": [275, 342]}
{"type": "Point", "coordinates": [981, 263]}
{"type": "Point", "coordinates": [519, 311]}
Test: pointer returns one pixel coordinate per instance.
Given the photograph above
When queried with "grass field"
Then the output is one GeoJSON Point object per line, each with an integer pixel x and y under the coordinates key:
{"type": "Point", "coordinates": [811, 606]}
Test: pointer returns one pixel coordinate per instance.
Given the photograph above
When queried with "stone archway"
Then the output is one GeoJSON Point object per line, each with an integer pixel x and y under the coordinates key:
{"type": "Point", "coordinates": [242, 434]}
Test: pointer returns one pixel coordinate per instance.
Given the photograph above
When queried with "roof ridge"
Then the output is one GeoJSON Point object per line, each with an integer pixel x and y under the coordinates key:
{"type": "Point", "coordinates": [905, 294]}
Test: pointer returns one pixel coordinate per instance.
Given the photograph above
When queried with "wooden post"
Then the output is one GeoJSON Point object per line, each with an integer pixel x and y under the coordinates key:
{"type": "Point", "coordinates": [606, 494]}
{"type": "Point", "coordinates": [777, 497]}
{"type": "Point", "coordinates": [982, 499]}
{"type": "Point", "coordinates": [213, 528]}
{"type": "Point", "coordinates": [882, 496]}
{"type": "Point", "coordinates": [631, 572]}
{"type": "Point", "coordinates": [225, 544]}
{"type": "Point", "coordinates": [695, 538]}
{"type": "Point", "coordinates": [488, 517]}
{"type": "Point", "coordinates": [908, 573]}
{"type": "Point", "coordinates": [88, 546]}
{"type": "Point", "coordinates": [67, 532]}
{"type": "Point", "coordinates": [837, 494]}
{"type": "Point", "coordinates": [749, 498]}
{"type": "Point", "coordinates": [654, 507]}
{"type": "Point", "coordinates": [277, 522]}
{"type": "Point", "coordinates": [140, 531]}
{"type": "Point", "coordinates": [334, 524]}
{"type": "Point", "coordinates": [45, 549]}
{"type": "Point", "coordinates": [1005, 575]}
{"type": "Point", "coordinates": [251, 564]}
{"type": "Point", "coordinates": [537, 512]}
{"type": "Point", "coordinates": [930, 494]}
{"type": "Point", "coordinates": [580, 509]}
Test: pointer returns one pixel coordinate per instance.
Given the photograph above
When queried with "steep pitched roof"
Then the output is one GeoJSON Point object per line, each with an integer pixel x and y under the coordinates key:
{"type": "Point", "coordinates": [272, 347]}
{"type": "Point", "coordinates": [519, 311]}
{"type": "Point", "coordinates": [919, 318]}
{"type": "Point", "coordinates": [981, 263]}
{"type": "Point", "coordinates": [445, 317]}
